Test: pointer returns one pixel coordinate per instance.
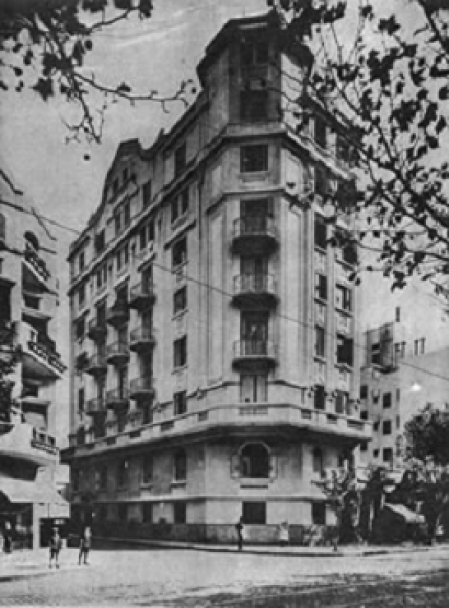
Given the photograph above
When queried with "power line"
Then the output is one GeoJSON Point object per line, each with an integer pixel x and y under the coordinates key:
{"type": "Point", "coordinates": [40, 216]}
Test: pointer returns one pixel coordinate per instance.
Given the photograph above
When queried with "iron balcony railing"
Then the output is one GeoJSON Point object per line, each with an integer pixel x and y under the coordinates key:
{"type": "Point", "coordinates": [117, 396]}
{"type": "Point", "coordinates": [254, 284]}
{"type": "Point", "coordinates": [117, 349]}
{"type": "Point", "coordinates": [96, 406]}
{"type": "Point", "coordinates": [254, 348]}
{"type": "Point", "coordinates": [253, 226]}
{"type": "Point", "coordinates": [33, 258]}
{"type": "Point", "coordinates": [141, 293]}
{"type": "Point", "coordinates": [141, 385]}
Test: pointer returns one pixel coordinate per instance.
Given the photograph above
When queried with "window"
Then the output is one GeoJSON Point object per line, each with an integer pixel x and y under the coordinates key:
{"type": "Point", "coordinates": [103, 478]}
{"type": "Point", "coordinates": [398, 422]}
{"type": "Point", "coordinates": [344, 354]}
{"type": "Point", "coordinates": [180, 465]}
{"type": "Point", "coordinates": [386, 400]}
{"type": "Point", "coordinates": [180, 205]}
{"type": "Point", "coordinates": [179, 252]}
{"type": "Point", "coordinates": [122, 512]}
{"type": "Point", "coordinates": [364, 391]}
{"type": "Point", "coordinates": [343, 298]}
{"type": "Point", "coordinates": [399, 349]}
{"type": "Point", "coordinates": [122, 257]}
{"type": "Point", "coordinates": [117, 223]}
{"type": "Point", "coordinates": [127, 213]}
{"type": "Point", "coordinates": [122, 474]}
{"type": "Point", "coordinates": [320, 230]}
{"type": "Point", "coordinates": [174, 210]}
{"type": "Point", "coordinates": [364, 445]}
{"type": "Point", "coordinates": [387, 454]}
{"type": "Point", "coordinates": [81, 261]}
{"type": "Point", "coordinates": [321, 181]}
{"type": "Point", "coordinates": [386, 427]}
{"type": "Point", "coordinates": [253, 53]}
{"type": "Point", "coordinates": [319, 397]}
{"type": "Point", "coordinates": [254, 513]}
{"type": "Point", "coordinates": [398, 395]}
{"type": "Point", "coordinates": [147, 512]}
{"type": "Point", "coordinates": [319, 513]}
{"type": "Point", "coordinates": [376, 426]}
{"type": "Point", "coordinates": [180, 159]}
{"type": "Point", "coordinates": [254, 106]}
{"type": "Point", "coordinates": [81, 295]}
{"type": "Point", "coordinates": [255, 461]}
{"type": "Point", "coordinates": [184, 201]}
{"type": "Point", "coordinates": [320, 286]}
{"type": "Point", "coordinates": [2, 227]}
{"type": "Point", "coordinates": [102, 277]}
{"type": "Point", "coordinates": [341, 402]}
{"type": "Point", "coordinates": [147, 469]}
{"type": "Point", "coordinates": [422, 346]}
{"type": "Point", "coordinates": [180, 300]}
{"type": "Point", "coordinates": [180, 512]}
{"type": "Point", "coordinates": [398, 314]}
{"type": "Point", "coordinates": [416, 347]}
{"type": "Point", "coordinates": [376, 453]}
{"type": "Point", "coordinates": [320, 132]}
{"type": "Point", "coordinates": [80, 328]}
{"type": "Point", "coordinates": [364, 415]}
{"type": "Point", "coordinates": [146, 193]}
{"type": "Point", "coordinates": [343, 149]}
{"type": "Point", "coordinates": [317, 456]}
{"type": "Point", "coordinates": [349, 253]}
{"type": "Point", "coordinates": [253, 388]}
{"type": "Point", "coordinates": [81, 399]}
{"type": "Point", "coordinates": [180, 403]}
{"type": "Point", "coordinates": [319, 341]}
{"type": "Point", "coordinates": [100, 242]}
{"type": "Point", "coordinates": [180, 352]}
{"type": "Point", "coordinates": [75, 474]}
{"type": "Point", "coordinates": [253, 159]}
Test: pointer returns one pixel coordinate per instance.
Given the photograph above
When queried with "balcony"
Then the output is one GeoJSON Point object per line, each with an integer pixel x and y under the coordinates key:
{"type": "Point", "coordinates": [41, 359]}
{"type": "Point", "coordinates": [254, 235]}
{"type": "Point", "coordinates": [141, 388]}
{"type": "Point", "coordinates": [254, 354]}
{"type": "Point", "coordinates": [141, 339]}
{"type": "Point", "coordinates": [96, 365]}
{"type": "Point", "coordinates": [117, 399]}
{"type": "Point", "coordinates": [141, 296]}
{"type": "Point", "coordinates": [255, 290]}
{"type": "Point", "coordinates": [37, 274]}
{"type": "Point", "coordinates": [96, 406]}
{"type": "Point", "coordinates": [97, 329]}
{"type": "Point", "coordinates": [117, 353]}
{"type": "Point", "coordinates": [22, 441]}
{"type": "Point", "coordinates": [118, 313]}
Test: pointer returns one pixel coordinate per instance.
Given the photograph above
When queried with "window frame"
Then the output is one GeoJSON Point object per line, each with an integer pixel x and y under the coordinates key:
{"type": "Point", "coordinates": [180, 465]}
{"type": "Point", "coordinates": [183, 251]}
{"type": "Point", "coordinates": [180, 301]}
{"type": "Point", "coordinates": [320, 342]}
{"type": "Point", "coordinates": [180, 352]}
{"type": "Point", "coordinates": [320, 286]}
{"type": "Point", "coordinates": [179, 403]}
{"type": "Point", "coordinates": [249, 160]}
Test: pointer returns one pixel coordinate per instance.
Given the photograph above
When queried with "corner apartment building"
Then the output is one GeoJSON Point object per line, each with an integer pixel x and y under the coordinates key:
{"type": "Point", "coordinates": [29, 455]}
{"type": "Point", "coordinates": [213, 368]}
{"type": "Point", "coordinates": [405, 368]}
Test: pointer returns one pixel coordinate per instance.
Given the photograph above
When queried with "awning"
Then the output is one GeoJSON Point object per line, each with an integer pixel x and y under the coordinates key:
{"type": "Point", "coordinates": [409, 516]}
{"type": "Point", "coordinates": [25, 492]}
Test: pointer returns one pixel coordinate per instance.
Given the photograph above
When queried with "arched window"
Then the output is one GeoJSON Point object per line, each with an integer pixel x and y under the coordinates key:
{"type": "Point", "coordinates": [255, 461]}
{"type": "Point", "coordinates": [317, 460]}
{"type": "Point", "coordinates": [180, 468]}
{"type": "Point", "coordinates": [2, 227]}
{"type": "Point", "coordinates": [31, 239]}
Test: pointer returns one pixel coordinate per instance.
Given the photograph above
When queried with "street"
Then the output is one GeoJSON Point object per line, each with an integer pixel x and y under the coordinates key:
{"type": "Point", "coordinates": [161, 577]}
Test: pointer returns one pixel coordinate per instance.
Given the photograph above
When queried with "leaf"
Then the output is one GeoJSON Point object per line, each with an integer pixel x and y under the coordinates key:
{"type": "Point", "coordinates": [441, 124]}
{"type": "Point", "coordinates": [443, 93]}
{"type": "Point", "coordinates": [123, 88]}
{"type": "Point", "coordinates": [44, 86]}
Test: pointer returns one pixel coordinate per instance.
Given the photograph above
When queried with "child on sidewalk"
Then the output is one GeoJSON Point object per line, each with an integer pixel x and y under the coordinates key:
{"type": "Point", "coordinates": [55, 547]}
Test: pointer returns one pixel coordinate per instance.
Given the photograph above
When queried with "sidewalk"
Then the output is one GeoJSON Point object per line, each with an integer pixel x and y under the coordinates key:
{"type": "Point", "coordinates": [28, 563]}
{"type": "Point", "coordinates": [290, 551]}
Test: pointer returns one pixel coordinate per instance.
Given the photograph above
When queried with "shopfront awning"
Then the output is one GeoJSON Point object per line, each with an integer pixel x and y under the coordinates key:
{"type": "Point", "coordinates": [410, 517]}
{"type": "Point", "coordinates": [26, 492]}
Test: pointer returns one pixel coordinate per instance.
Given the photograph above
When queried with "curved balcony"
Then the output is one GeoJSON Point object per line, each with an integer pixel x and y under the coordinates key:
{"type": "Point", "coordinates": [254, 354]}
{"type": "Point", "coordinates": [141, 296]}
{"type": "Point", "coordinates": [36, 275]}
{"type": "Point", "coordinates": [117, 399]}
{"type": "Point", "coordinates": [22, 441]}
{"type": "Point", "coordinates": [254, 235]}
{"type": "Point", "coordinates": [141, 388]}
{"type": "Point", "coordinates": [96, 406]}
{"type": "Point", "coordinates": [141, 339]}
{"type": "Point", "coordinates": [41, 359]}
{"type": "Point", "coordinates": [96, 365]}
{"type": "Point", "coordinates": [117, 353]}
{"type": "Point", "coordinates": [97, 329]}
{"type": "Point", "coordinates": [118, 313]}
{"type": "Point", "coordinates": [255, 290]}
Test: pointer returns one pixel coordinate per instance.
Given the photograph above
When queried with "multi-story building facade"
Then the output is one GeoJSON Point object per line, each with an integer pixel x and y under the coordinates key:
{"type": "Point", "coordinates": [29, 455]}
{"type": "Point", "coordinates": [213, 368]}
{"type": "Point", "coordinates": [404, 370]}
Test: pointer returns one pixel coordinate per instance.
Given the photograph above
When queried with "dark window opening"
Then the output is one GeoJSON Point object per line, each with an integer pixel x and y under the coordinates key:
{"type": "Point", "coordinates": [343, 298]}
{"type": "Point", "coordinates": [386, 400]}
{"type": "Point", "coordinates": [180, 465]}
{"type": "Point", "coordinates": [81, 399]}
{"type": "Point", "coordinates": [254, 513]}
{"type": "Point", "coordinates": [180, 159]}
{"type": "Point", "coordinates": [320, 232]}
{"type": "Point", "coordinates": [255, 461]}
{"type": "Point", "coordinates": [320, 133]}
{"type": "Point", "coordinates": [253, 388]}
{"type": "Point", "coordinates": [320, 342]}
{"type": "Point", "coordinates": [319, 513]}
{"type": "Point", "coordinates": [387, 455]}
{"type": "Point", "coordinates": [320, 286]}
{"type": "Point", "coordinates": [180, 300]}
{"type": "Point", "coordinates": [319, 397]}
{"type": "Point", "coordinates": [254, 106]}
{"type": "Point", "coordinates": [122, 474]}
{"type": "Point", "coordinates": [146, 193]}
{"type": "Point", "coordinates": [180, 512]}
{"type": "Point", "coordinates": [179, 252]}
{"type": "Point", "coordinates": [253, 53]}
{"type": "Point", "coordinates": [364, 391]}
{"type": "Point", "coordinates": [386, 427]}
{"type": "Point", "coordinates": [253, 159]}
{"type": "Point", "coordinates": [147, 469]}
{"type": "Point", "coordinates": [317, 460]}
{"type": "Point", "coordinates": [180, 403]}
{"type": "Point", "coordinates": [345, 351]}
{"type": "Point", "coordinates": [147, 513]}
{"type": "Point", "coordinates": [180, 352]}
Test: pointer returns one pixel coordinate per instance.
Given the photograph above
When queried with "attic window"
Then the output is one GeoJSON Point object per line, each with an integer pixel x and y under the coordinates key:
{"type": "Point", "coordinates": [115, 185]}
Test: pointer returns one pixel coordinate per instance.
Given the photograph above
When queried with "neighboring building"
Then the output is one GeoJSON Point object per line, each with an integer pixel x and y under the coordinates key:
{"type": "Point", "coordinates": [213, 371]}
{"type": "Point", "coordinates": [401, 375]}
{"type": "Point", "coordinates": [29, 457]}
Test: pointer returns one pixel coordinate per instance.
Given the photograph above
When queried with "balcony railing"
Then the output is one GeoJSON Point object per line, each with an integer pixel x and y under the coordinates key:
{"type": "Point", "coordinates": [141, 296]}
{"type": "Point", "coordinates": [96, 406]}
{"type": "Point", "coordinates": [141, 387]}
{"type": "Point", "coordinates": [38, 264]}
{"type": "Point", "coordinates": [97, 328]}
{"type": "Point", "coordinates": [96, 364]}
{"type": "Point", "coordinates": [117, 398]}
{"type": "Point", "coordinates": [22, 441]}
{"type": "Point", "coordinates": [254, 351]}
{"type": "Point", "coordinates": [117, 353]}
{"type": "Point", "coordinates": [45, 349]}
{"type": "Point", "coordinates": [118, 313]}
{"type": "Point", "coordinates": [255, 289]}
{"type": "Point", "coordinates": [254, 234]}
{"type": "Point", "coordinates": [141, 339]}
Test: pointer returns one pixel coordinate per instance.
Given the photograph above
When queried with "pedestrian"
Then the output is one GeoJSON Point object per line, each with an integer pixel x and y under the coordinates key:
{"type": "Point", "coordinates": [284, 534]}
{"type": "Point", "coordinates": [7, 538]}
{"type": "Point", "coordinates": [240, 527]}
{"type": "Point", "coordinates": [55, 547]}
{"type": "Point", "coordinates": [85, 545]}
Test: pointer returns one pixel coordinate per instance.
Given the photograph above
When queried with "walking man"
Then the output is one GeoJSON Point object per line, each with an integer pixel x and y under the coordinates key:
{"type": "Point", "coordinates": [239, 526]}
{"type": "Point", "coordinates": [85, 545]}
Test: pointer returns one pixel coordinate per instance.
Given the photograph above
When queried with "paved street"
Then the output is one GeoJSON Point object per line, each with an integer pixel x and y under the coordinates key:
{"type": "Point", "coordinates": [150, 577]}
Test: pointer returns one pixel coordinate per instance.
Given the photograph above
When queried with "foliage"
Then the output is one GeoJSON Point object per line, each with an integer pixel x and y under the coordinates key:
{"type": "Point", "coordinates": [8, 361]}
{"type": "Point", "coordinates": [428, 436]}
{"type": "Point", "coordinates": [391, 86]}
{"type": "Point", "coordinates": [49, 41]}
